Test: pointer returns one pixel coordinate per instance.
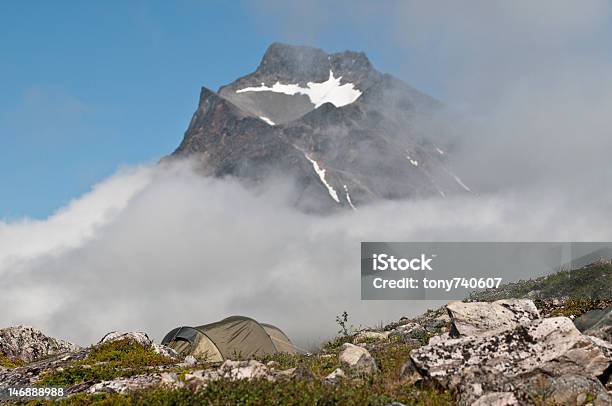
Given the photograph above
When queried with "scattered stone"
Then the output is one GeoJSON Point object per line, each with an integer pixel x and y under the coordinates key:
{"type": "Point", "coordinates": [124, 385]}
{"type": "Point", "coordinates": [534, 294]}
{"type": "Point", "coordinates": [478, 318]}
{"type": "Point", "coordinates": [190, 360]}
{"type": "Point", "coordinates": [410, 333]}
{"type": "Point", "coordinates": [79, 387]}
{"type": "Point", "coordinates": [299, 373]}
{"type": "Point", "coordinates": [302, 373]}
{"type": "Point", "coordinates": [439, 339]}
{"type": "Point", "coordinates": [170, 379]}
{"type": "Point", "coordinates": [142, 339]}
{"type": "Point", "coordinates": [604, 346]}
{"type": "Point", "coordinates": [165, 351]}
{"type": "Point", "coordinates": [335, 376]}
{"type": "Point", "coordinates": [243, 370]}
{"type": "Point", "coordinates": [574, 389]}
{"type": "Point", "coordinates": [409, 373]}
{"type": "Point", "coordinates": [364, 336]}
{"type": "Point", "coordinates": [29, 374]}
{"type": "Point", "coordinates": [411, 329]}
{"type": "Point", "coordinates": [272, 364]}
{"type": "Point", "coordinates": [496, 399]}
{"type": "Point", "coordinates": [596, 323]}
{"type": "Point", "coordinates": [139, 337]}
{"type": "Point", "coordinates": [284, 374]}
{"type": "Point", "coordinates": [28, 344]}
{"type": "Point", "coordinates": [200, 379]}
{"type": "Point", "coordinates": [358, 359]}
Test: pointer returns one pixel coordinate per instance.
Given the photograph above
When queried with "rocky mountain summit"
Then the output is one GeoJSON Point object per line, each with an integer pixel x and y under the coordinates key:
{"type": "Point", "coordinates": [512, 351]}
{"type": "Point", "coordinates": [25, 344]}
{"type": "Point", "coordinates": [346, 133]}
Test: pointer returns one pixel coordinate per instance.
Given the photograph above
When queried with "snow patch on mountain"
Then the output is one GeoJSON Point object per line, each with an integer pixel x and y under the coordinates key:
{"type": "Point", "coordinates": [267, 120]}
{"type": "Point", "coordinates": [321, 172]}
{"type": "Point", "coordinates": [330, 91]}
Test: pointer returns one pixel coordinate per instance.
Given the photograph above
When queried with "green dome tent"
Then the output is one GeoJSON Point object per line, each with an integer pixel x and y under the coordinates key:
{"type": "Point", "coordinates": [233, 337]}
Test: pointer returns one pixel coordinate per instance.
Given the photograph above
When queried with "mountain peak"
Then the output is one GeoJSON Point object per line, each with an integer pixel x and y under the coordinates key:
{"type": "Point", "coordinates": [279, 54]}
{"type": "Point", "coordinates": [303, 63]}
{"type": "Point", "coordinates": [343, 131]}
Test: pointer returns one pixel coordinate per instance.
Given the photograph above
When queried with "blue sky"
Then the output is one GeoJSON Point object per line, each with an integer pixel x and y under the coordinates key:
{"type": "Point", "coordinates": [90, 87]}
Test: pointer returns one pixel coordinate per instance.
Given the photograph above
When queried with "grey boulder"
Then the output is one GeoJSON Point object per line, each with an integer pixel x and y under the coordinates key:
{"type": "Point", "coordinates": [478, 318]}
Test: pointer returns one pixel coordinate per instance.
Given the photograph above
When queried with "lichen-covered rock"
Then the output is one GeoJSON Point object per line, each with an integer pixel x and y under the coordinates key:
{"type": "Point", "coordinates": [500, 363]}
{"type": "Point", "coordinates": [554, 345]}
{"type": "Point", "coordinates": [478, 318]}
{"type": "Point", "coordinates": [357, 359]}
{"type": "Point", "coordinates": [574, 390]}
{"type": "Point", "coordinates": [27, 343]}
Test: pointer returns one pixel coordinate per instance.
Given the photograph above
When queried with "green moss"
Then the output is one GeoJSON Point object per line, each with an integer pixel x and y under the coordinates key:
{"type": "Point", "coordinates": [390, 360]}
{"type": "Point", "coordinates": [10, 362]}
{"type": "Point", "coordinates": [126, 359]}
{"type": "Point", "coordinates": [591, 282]}
{"type": "Point", "coordinates": [263, 392]}
{"type": "Point", "coordinates": [576, 307]}
{"type": "Point", "coordinates": [319, 365]}
{"type": "Point", "coordinates": [334, 345]}
{"type": "Point", "coordinates": [83, 373]}
{"type": "Point", "coordinates": [107, 361]}
{"type": "Point", "coordinates": [126, 353]}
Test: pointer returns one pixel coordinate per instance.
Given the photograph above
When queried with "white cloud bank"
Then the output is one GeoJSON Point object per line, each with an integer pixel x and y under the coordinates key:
{"type": "Point", "coordinates": [71, 226]}
{"type": "Point", "coordinates": [179, 248]}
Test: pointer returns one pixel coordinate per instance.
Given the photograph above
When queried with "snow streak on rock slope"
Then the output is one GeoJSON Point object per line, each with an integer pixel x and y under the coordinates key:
{"type": "Point", "coordinates": [267, 120]}
{"type": "Point", "coordinates": [303, 105]}
{"type": "Point", "coordinates": [321, 172]}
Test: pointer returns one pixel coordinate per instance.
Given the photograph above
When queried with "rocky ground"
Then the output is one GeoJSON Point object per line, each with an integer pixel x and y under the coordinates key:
{"type": "Point", "coordinates": [539, 351]}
